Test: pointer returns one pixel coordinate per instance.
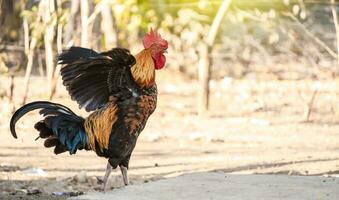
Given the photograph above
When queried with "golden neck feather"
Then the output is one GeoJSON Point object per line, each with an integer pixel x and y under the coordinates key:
{"type": "Point", "coordinates": [144, 71]}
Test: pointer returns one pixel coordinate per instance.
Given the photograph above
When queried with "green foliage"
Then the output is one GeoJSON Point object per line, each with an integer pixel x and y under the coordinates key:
{"type": "Point", "coordinates": [253, 32]}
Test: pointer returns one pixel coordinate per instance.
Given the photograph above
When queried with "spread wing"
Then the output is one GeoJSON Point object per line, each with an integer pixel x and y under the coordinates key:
{"type": "Point", "coordinates": [91, 77]}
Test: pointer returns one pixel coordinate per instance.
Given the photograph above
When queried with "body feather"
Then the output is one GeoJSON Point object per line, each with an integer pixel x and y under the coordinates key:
{"type": "Point", "coordinates": [143, 71]}
{"type": "Point", "coordinates": [121, 98]}
{"type": "Point", "coordinates": [60, 127]}
{"type": "Point", "coordinates": [117, 88]}
{"type": "Point", "coordinates": [98, 126]}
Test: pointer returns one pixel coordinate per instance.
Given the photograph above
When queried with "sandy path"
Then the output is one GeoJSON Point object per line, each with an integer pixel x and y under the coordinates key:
{"type": "Point", "coordinates": [220, 186]}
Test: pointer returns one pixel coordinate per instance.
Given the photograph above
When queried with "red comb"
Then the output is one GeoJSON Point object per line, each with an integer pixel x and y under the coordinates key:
{"type": "Point", "coordinates": [153, 37]}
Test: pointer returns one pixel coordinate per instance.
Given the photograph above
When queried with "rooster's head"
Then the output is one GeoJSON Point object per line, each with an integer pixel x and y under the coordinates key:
{"type": "Point", "coordinates": [158, 47]}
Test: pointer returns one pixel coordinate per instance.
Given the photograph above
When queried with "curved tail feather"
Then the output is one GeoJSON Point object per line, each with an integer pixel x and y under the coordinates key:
{"type": "Point", "coordinates": [61, 127]}
{"type": "Point", "coordinates": [33, 106]}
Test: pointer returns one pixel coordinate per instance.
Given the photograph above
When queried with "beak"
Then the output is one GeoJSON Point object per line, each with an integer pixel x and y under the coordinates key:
{"type": "Point", "coordinates": [165, 51]}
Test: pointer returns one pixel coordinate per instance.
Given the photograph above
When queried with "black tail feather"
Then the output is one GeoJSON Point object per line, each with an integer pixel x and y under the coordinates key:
{"type": "Point", "coordinates": [51, 142]}
{"type": "Point", "coordinates": [44, 131]}
{"type": "Point", "coordinates": [59, 149]}
{"type": "Point", "coordinates": [61, 128]}
{"type": "Point", "coordinates": [33, 106]}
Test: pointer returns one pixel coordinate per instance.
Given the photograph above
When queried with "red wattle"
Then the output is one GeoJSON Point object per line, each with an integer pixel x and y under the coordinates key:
{"type": "Point", "coordinates": [160, 62]}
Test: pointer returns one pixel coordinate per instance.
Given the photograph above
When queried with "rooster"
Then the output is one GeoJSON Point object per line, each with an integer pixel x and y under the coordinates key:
{"type": "Point", "coordinates": [121, 91]}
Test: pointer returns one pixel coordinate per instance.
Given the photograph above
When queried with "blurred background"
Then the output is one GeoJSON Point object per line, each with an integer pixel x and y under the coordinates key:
{"type": "Point", "coordinates": [250, 86]}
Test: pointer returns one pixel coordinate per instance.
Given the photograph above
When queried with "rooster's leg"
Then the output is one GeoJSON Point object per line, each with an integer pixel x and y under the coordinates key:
{"type": "Point", "coordinates": [124, 174]}
{"type": "Point", "coordinates": [108, 172]}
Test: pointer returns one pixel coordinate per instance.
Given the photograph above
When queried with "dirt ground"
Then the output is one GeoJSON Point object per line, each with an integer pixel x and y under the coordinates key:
{"type": "Point", "coordinates": [221, 186]}
{"type": "Point", "coordinates": [253, 127]}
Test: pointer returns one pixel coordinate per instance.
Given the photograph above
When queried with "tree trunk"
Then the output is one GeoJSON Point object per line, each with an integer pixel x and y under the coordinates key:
{"type": "Point", "coordinates": [107, 27]}
{"type": "Point", "coordinates": [204, 60]}
{"type": "Point", "coordinates": [26, 35]}
{"type": "Point", "coordinates": [59, 49]}
{"type": "Point", "coordinates": [11, 93]}
{"type": "Point", "coordinates": [336, 26]}
{"type": "Point", "coordinates": [11, 89]}
{"type": "Point", "coordinates": [30, 56]}
{"type": "Point", "coordinates": [70, 27]}
{"type": "Point", "coordinates": [217, 21]}
{"type": "Point", "coordinates": [84, 22]}
{"type": "Point", "coordinates": [50, 23]}
{"type": "Point", "coordinates": [6, 14]}
{"type": "Point", "coordinates": [29, 51]}
{"type": "Point", "coordinates": [204, 77]}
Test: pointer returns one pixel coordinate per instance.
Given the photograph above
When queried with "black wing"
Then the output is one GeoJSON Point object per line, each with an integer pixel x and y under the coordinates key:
{"type": "Point", "coordinates": [91, 78]}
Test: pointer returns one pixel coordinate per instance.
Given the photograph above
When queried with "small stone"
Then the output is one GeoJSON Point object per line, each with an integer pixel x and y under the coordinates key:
{"type": "Point", "coordinates": [74, 194]}
{"type": "Point", "coordinates": [33, 191]}
{"type": "Point", "coordinates": [34, 172]}
{"type": "Point", "coordinates": [81, 177]}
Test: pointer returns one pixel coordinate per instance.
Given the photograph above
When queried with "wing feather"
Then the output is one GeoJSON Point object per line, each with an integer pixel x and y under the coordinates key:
{"type": "Point", "coordinates": [91, 77]}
